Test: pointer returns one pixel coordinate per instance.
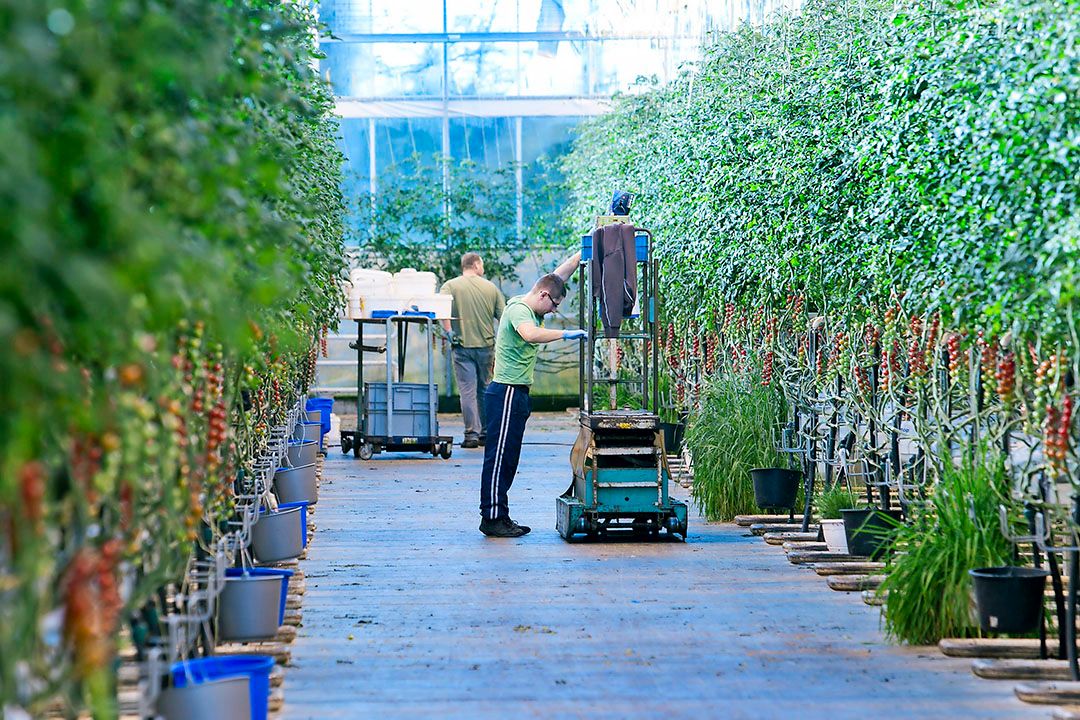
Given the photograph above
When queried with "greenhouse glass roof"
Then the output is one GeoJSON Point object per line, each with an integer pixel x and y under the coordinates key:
{"type": "Point", "coordinates": [499, 81]}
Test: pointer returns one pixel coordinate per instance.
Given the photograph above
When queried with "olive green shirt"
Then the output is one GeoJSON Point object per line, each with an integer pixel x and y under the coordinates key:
{"type": "Point", "coordinates": [477, 302]}
{"type": "Point", "coordinates": [515, 358]}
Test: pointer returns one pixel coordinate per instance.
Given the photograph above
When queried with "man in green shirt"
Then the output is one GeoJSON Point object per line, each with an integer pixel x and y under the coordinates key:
{"type": "Point", "coordinates": [521, 332]}
{"type": "Point", "coordinates": [477, 304]}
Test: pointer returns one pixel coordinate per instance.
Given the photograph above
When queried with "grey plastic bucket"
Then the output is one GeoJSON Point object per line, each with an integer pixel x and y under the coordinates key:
{"type": "Point", "coordinates": [312, 431]}
{"type": "Point", "coordinates": [249, 607]}
{"type": "Point", "coordinates": [303, 453]}
{"type": "Point", "coordinates": [296, 485]}
{"type": "Point", "coordinates": [221, 699]}
{"type": "Point", "coordinates": [278, 536]}
{"type": "Point", "coordinates": [314, 415]}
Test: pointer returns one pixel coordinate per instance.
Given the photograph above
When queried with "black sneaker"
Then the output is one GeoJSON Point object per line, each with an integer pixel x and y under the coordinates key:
{"type": "Point", "coordinates": [470, 442]}
{"type": "Point", "coordinates": [502, 528]}
{"type": "Point", "coordinates": [515, 523]}
{"type": "Point", "coordinates": [481, 440]}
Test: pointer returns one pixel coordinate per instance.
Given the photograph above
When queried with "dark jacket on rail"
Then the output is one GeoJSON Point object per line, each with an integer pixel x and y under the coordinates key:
{"type": "Point", "coordinates": [614, 273]}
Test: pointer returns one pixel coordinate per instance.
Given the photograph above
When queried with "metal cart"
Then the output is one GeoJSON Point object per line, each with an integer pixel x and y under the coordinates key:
{"type": "Point", "coordinates": [395, 416]}
{"type": "Point", "coordinates": [620, 471]}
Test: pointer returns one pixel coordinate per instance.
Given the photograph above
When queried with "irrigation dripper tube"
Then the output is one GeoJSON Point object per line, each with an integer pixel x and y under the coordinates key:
{"type": "Point", "coordinates": [1074, 570]}
{"type": "Point", "coordinates": [1055, 578]}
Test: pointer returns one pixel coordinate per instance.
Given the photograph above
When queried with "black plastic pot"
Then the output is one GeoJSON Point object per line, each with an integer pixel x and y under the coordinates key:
{"type": "Point", "coordinates": [868, 530]}
{"type": "Point", "coordinates": [673, 436]}
{"type": "Point", "coordinates": [1010, 599]}
{"type": "Point", "coordinates": [775, 488]}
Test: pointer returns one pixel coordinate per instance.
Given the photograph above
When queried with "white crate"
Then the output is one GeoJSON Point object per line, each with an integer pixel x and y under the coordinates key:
{"type": "Point", "coordinates": [439, 305]}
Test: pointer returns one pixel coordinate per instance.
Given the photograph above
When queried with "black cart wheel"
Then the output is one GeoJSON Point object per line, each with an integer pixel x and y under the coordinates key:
{"type": "Point", "coordinates": [346, 444]}
{"type": "Point", "coordinates": [446, 451]}
{"type": "Point", "coordinates": [365, 451]}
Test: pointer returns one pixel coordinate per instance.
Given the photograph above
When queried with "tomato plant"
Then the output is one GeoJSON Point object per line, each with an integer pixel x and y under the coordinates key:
{"type": "Point", "coordinates": [173, 228]}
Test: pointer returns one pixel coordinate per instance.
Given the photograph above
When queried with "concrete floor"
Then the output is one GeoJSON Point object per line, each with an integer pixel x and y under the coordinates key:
{"type": "Point", "coordinates": [411, 613]}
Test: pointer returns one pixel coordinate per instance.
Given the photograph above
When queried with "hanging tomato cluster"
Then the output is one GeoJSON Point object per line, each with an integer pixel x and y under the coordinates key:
{"type": "Point", "coordinates": [176, 235]}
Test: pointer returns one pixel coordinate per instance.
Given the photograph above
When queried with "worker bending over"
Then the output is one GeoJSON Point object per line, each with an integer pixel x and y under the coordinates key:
{"type": "Point", "coordinates": [507, 402]}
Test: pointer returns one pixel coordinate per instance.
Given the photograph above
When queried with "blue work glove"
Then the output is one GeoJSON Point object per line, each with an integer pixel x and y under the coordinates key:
{"type": "Point", "coordinates": [453, 337]}
{"type": "Point", "coordinates": [574, 335]}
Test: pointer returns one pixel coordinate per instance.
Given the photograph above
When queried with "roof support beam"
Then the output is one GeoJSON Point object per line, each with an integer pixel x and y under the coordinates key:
{"type": "Point", "coordinates": [473, 108]}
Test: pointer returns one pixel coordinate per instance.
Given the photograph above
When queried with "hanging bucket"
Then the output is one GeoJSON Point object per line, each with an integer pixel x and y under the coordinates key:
{"type": "Point", "coordinates": [222, 699]}
{"type": "Point", "coordinates": [296, 484]}
{"type": "Point", "coordinates": [280, 573]}
{"type": "Point", "coordinates": [313, 415]}
{"type": "Point", "coordinates": [868, 530]}
{"type": "Point", "coordinates": [1010, 599]}
{"type": "Point", "coordinates": [256, 668]}
{"type": "Point", "coordinates": [278, 536]}
{"type": "Point", "coordinates": [303, 505]}
{"type": "Point", "coordinates": [302, 452]}
{"type": "Point", "coordinates": [250, 606]}
{"type": "Point", "coordinates": [775, 488]}
{"type": "Point", "coordinates": [309, 431]}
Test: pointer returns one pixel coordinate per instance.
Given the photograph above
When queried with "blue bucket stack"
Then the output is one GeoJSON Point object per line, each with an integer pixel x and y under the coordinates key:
{"type": "Point", "coordinates": [325, 406]}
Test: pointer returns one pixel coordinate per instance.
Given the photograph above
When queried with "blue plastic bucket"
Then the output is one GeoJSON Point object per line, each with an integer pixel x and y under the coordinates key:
{"type": "Point", "coordinates": [256, 667]}
{"type": "Point", "coordinates": [303, 505]}
{"type": "Point", "coordinates": [284, 574]}
{"type": "Point", "coordinates": [325, 406]}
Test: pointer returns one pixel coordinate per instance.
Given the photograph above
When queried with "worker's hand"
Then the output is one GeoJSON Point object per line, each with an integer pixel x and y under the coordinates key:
{"type": "Point", "coordinates": [574, 335]}
{"type": "Point", "coordinates": [453, 337]}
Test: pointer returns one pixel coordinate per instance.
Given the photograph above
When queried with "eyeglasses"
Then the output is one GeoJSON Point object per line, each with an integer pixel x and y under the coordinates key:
{"type": "Point", "coordinates": [554, 302]}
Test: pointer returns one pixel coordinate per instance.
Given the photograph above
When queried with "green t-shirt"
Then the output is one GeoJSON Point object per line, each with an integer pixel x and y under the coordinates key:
{"type": "Point", "coordinates": [515, 359]}
{"type": "Point", "coordinates": [477, 302]}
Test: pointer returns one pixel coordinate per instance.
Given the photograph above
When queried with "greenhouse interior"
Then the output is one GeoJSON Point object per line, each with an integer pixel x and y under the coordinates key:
{"type": "Point", "coordinates": [763, 315]}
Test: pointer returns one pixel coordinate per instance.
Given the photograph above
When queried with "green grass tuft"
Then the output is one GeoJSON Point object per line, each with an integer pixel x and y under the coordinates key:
{"type": "Point", "coordinates": [929, 590]}
{"type": "Point", "coordinates": [728, 436]}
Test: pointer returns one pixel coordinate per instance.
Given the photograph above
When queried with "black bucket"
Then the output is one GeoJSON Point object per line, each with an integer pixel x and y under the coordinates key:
{"type": "Point", "coordinates": [775, 488]}
{"type": "Point", "coordinates": [673, 436]}
{"type": "Point", "coordinates": [1010, 599]}
{"type": "Point", "coordinates": [868, 530]}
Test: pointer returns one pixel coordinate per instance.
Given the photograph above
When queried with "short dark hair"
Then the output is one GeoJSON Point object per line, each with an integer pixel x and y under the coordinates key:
{"type": "Point", "coordinates": [468, 260]}
{"type": "Point", "coordinates": [552, 284]}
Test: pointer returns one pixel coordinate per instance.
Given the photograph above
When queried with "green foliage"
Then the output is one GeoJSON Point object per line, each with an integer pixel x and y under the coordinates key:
{"type": "Point", "coordinates": [921, 156]}
{"type": "Point", "coordinates": [172, 232]}
{"type": "Point", "coordinates": [830, 502]}
{"type": "Point", "coordinates": [730, 435]}
{"type": "Point", "coordinates": [927, 582]}
{"type": "Point", "coordinates": [855, 149]}
{"type": "Point", "coordinates": [413, 222]}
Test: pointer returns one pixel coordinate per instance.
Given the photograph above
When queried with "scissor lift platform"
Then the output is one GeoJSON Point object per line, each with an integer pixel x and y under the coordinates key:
{"type": "Point", "coordinates": [621, 480]}
{"type": "Point", "coordinates": [620, 471]}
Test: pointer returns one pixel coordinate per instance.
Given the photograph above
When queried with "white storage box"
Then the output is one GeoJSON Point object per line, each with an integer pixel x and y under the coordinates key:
{"type": "Point", "coordinates": [435, 305]}
{"type": "Point", "coordinates": [355, 309]}
{"type": "Point", "coordinates": [379, 277]}
{"type": "Point", "coordinates": [377, 306]}
{"type": "Point", "coordinates": [367, 287]}
{"type": "Point", "coordinates": [410, 283]}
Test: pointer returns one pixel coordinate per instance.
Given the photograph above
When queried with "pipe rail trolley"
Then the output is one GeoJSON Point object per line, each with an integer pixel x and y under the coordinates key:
{"type": "Point", "coordinates": [620, 471]}
{"type": "Point", "coordinates": [393, 415]}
